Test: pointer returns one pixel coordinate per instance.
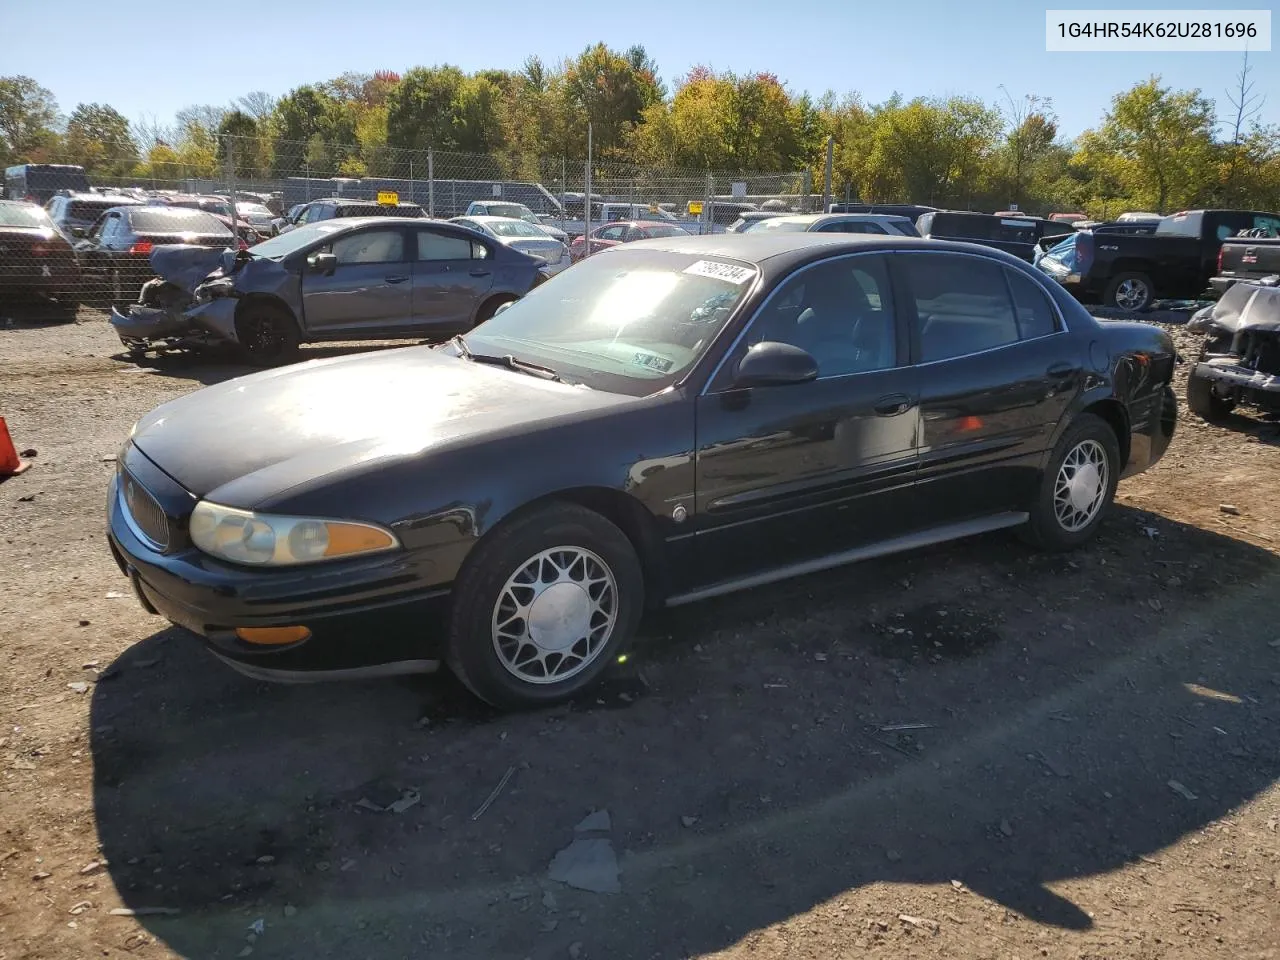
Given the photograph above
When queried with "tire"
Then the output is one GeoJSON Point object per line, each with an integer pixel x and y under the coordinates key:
{"type": "Point", "coordinates": [491, 649]}
{"type": "Point", "coordinates": [1060, 518]}
{"type": "Point", "coordinates": [490, 307]}
{"type": "Point", "coordinates": [1205, 403]}
{"type": "Point", "coordinates": [1131, 291]}
{"type": "Point", "coordinates": [268, 335]}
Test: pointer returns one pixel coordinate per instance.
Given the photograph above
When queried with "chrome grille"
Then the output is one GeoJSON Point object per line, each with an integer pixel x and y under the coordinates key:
{"type": "Point", "coordinates": [142, 512]}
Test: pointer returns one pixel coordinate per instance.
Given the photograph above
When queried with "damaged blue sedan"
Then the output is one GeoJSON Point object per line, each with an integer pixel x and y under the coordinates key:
{"type": "Point", "coordinates": [367, 278]}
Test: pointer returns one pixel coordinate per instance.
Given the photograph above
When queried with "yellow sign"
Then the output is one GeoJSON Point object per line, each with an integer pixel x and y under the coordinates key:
{"type": "Point", "coordinates": [695, 208]}
{"type": "Point", "coordinates": [388, 198]}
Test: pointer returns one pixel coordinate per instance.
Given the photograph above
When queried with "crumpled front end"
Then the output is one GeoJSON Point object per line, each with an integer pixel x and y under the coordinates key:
{"type": "Point", "coordinates": [1241, 353]}
{"type": "Point", "coordinates": [189, 305]}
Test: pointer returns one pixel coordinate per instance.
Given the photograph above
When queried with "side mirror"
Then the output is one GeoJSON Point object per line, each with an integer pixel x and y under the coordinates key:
{"type": "Point", "coordinates": [322, 262]}
{"type": "Point", "coordinates": [79, 232]}
{"type": "Point", "coordinates": [771, 364]}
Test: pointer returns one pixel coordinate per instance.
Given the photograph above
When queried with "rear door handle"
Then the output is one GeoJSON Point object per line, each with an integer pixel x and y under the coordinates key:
{"type": "Point", "coordinates": [893, 405]}
{"type": "Point", "coordinates": [397, 279]}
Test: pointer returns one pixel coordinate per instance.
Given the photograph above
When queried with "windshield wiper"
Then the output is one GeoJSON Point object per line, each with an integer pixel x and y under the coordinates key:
{"type": "Point", "coordinates": [508, 361]}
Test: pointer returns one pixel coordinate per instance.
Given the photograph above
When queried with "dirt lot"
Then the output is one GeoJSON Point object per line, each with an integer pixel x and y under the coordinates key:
{"type": "Point", "coordinates": [1095, 777]}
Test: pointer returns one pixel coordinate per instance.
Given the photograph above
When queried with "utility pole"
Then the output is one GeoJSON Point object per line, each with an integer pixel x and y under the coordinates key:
{"type": "Point", "coordinates": [586, 202]}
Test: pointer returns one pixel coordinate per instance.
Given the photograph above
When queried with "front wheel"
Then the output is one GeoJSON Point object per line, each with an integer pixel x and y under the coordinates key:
{"type": "Point", "coordinates": [490, 307]}
{"type": "Point", "coordinates": [267, 334]}
{"type": "Point", "coordinates": [1205, 402]}
{"type": "Point", "coordinates": [1077, 487]}
{"type": "Point", "coordinates": [544, 605]}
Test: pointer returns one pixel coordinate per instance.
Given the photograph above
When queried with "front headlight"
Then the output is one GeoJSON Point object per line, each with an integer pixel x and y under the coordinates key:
{"type": "Point", "coordinates": [261, 539]}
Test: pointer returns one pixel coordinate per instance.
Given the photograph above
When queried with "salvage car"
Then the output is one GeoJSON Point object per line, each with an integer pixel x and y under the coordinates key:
{"type": "Point", "coordinates": [626, 231]}
{"type": "Point", "coordinates": [74, 214]}
{"type": "Point", "coordinates": [342, 279]}
{"type": "Point", "coordinates": [523, 236]}
{"type": "Point", "coordinates": [336, 208]}
{"type": "Point", "coordinates": [1239, 362]}
{"type": "Point", "coordinates": [674, 420]}
{"type": "Point", "coordinates": [514, 211]}
{"type": "Point", "coordinates": [116, 253]}
{"type": "Point", "coordinates": [36, 261]}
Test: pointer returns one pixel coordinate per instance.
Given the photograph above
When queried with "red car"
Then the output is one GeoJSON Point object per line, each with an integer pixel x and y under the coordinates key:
{"type": "Point", "coordinates": [622, 231]}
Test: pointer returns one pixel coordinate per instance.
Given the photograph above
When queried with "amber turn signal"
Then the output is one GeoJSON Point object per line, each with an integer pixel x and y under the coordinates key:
{"type": "Point", "coordinates": [272, 636]}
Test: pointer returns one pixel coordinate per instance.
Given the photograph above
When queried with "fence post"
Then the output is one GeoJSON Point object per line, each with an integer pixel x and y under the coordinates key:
{"type": "Point", "coordinates": [826, 174]}
{"type": "Point", "coordinates": [431, 182]}
{"type": "Point", "coordinates": [586, 202]}
{"type": "Point", "coordinates": [564, 186]}
{"type": "Point", "coordinates": [709, 206]}
{"type": "Point", "coordinates": [231, 185]}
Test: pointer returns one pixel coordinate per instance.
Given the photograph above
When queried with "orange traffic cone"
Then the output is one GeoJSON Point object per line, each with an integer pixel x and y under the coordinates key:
{"type": "Point", "coordinates": [10, 465]}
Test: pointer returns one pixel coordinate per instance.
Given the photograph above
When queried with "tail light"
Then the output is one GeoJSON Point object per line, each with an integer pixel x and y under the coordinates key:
{"type": "Point", "coordinates": [1084, 252]}
{"type": "Point", "coordinates": [141, 247]}
{"type": "Point", "coordinates": [30, 198]}
{"type": "Point", "coordinates": [242, 244]}
{"type": "Point", "coordinates": [1219, 260]}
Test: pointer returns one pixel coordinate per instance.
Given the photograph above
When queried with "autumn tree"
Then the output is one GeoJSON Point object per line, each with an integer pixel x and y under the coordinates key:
{"type": "Point", "coordinates": [98, 138]}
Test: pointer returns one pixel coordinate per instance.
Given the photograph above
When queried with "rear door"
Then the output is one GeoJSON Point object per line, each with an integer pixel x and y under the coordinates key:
{"type": "Point", "coordinates": [997, 371]}
{"type": "Point", "coordinates": [803, 470]}
{"type": "Point", "coordinates": [369, 292]}
{"type": "Point", "coordinates": [452, 274]}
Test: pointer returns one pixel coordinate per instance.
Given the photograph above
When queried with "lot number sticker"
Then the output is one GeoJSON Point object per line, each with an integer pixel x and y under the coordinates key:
{"type": "Point", "coordinates": [720, 271]}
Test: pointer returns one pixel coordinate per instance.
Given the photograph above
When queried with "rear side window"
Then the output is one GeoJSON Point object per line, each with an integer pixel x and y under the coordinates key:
{"type": "Point", "coordinates": [1034, 312]}
{"type": "Point", "coordinates": [962, 305]}
{"type": "Point", "coordinates": [439, 246]}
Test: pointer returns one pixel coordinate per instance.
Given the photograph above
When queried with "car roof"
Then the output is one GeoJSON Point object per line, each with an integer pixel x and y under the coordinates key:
{"type": "Point", "coordinates": [486, 218]}
{"type": "Point", "coordinates": [828, 217]}
{"type": "Point", "coordinates": [785, 250]}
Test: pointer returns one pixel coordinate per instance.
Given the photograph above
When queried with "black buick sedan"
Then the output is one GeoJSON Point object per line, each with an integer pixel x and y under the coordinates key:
{"type": "Point", "coordinates": [668, 421]}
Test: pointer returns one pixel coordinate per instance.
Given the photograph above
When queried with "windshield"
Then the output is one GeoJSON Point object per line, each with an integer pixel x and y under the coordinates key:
{"type": "Point", "coordinates": [287, 243]}
{"type": "Point", "coordinates": [254, 209]}
{"type": "Point", "coordinates": [515, 211]}
{"type": "Point", "coordinates": [782, 224]}
{"type": "Point", "coordinates": [633, 322]}
{"type": "Point", "coordinates": [516, 228]}
{"type": "Point", "coordinates": [23, 215]}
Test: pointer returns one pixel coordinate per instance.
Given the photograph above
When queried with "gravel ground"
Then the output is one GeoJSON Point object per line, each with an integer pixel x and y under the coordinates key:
{"type": "Point", "coordinates": [975, 750]}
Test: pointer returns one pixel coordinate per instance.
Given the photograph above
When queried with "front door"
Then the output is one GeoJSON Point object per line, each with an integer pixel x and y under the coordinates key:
{"type": "Point", "coordinates": [995, 380]}
{"type": "Point", "coordinates": [452, 275]}
{"type": "Point", "coordinates": [369, 290]}
{"type": "Point", "coordinates": [798, 471]}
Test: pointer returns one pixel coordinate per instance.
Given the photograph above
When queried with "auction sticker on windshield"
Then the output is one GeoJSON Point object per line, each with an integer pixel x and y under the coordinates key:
{"type": "Point", "coordinates": [653, 362]}
{"type": "Point", "coordinates": [720, 271]}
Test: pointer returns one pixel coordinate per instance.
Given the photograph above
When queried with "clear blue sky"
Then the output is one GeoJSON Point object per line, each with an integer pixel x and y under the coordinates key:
{"type": "Point", "coordinates": [925, 47]}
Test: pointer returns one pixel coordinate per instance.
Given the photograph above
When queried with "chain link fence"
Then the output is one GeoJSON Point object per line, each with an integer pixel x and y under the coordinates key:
{"type": "Point", "coordinates": [77, 240]}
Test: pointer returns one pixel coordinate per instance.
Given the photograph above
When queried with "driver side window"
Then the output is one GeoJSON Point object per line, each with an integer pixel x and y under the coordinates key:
{"type": "Point", "coordinates": [840, 311]}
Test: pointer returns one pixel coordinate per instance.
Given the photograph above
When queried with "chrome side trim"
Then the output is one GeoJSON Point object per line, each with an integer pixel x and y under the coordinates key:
{"type": "Point", "coordinates": [375, 672]}
{"type": "Point", "coordinates": [912, 541]}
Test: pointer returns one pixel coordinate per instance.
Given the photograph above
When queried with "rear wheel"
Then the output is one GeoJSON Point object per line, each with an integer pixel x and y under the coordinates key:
{"type": "Point", "coordinates": [1205, 401]}
{"type": "Point", "coordinates": [545, 604]}
{"type": "Point", "coordinates": [268, 335]}
{"type": "Point", "coordinates": [1077, 487]}
{"type": "Point", "coordinates": [490, 307]}
{"type": "Point", "coordinates": [1129, 291]}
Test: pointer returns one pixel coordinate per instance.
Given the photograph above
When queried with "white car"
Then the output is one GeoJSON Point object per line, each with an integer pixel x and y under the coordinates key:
{"type": "Point", "coordinates": [522, 236]}
{"type": "Point", "coordinates": [513, 211]}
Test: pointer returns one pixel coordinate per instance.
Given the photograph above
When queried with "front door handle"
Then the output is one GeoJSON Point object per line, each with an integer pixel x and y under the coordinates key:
{"type": "Point", "coordinates": [479, 272]}
{"type": "Point", "coordinates": [893, 405]}
{"type": "Point", "coordinates": [396, 279]}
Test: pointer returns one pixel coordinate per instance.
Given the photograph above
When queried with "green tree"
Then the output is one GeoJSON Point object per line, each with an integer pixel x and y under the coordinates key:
{"type": "Point", "coordinates": [28, 114]}
{"type": "Point", "coordinates": [98, 139]}
{"type": "Point", "coordinates": [303, 122]}
{"type": "Point", "coordinates": [603, 88]}
{"type": "Point", "coordinates": [238, 134]}
{"type": "Point", "coordinates": [1159, 144]}
{"type": "Point", "coordinates": [422, 109]}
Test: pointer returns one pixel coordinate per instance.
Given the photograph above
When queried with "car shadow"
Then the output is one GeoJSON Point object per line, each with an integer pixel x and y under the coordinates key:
{"type": "Point", "coordinates": [977, 716]}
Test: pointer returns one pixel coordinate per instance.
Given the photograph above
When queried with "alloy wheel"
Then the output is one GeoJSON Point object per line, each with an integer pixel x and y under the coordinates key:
{"type": "Point", "coordinates": [1081, 485]}
{"type": "Point", "coordinates": [555, 615]}
{"type": "Point", "coordinates": [1131, 294]}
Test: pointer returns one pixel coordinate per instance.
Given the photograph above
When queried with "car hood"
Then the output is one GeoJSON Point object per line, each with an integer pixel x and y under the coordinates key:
{"type": "Point", "coordinates": [254, 438]}
{"type": "Point", "coordinates": [185, 266]}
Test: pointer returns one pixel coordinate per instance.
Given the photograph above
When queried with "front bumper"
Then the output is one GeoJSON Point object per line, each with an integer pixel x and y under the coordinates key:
{"type": "Point", "coordinates": [204, 324]}
{"type": "Point", "coordinates": [367, 617]}
{"type": "Point", "coordinates": [1242, 378]}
